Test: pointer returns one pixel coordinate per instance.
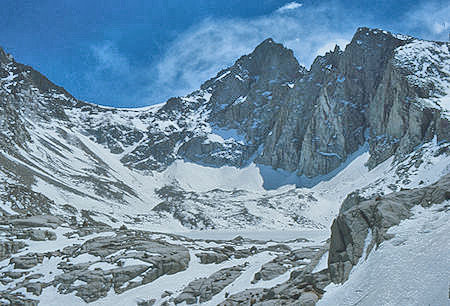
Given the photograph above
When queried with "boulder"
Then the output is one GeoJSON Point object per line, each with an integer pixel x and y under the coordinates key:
{"type": "Point", "coordinates": [308, 299]}
{"type": "Point", "coordinates": [42, 235]}
{"type": "Point", "coordinates": [27, 261]}
{"type": "Point", "coordinates": [7, 248]}
{"type": "Point", "coordinates": [203, 289]}
{"type": "Point", "coordinates": [38, 221]}
{"type": "Point", "coordinates": [211, 257]}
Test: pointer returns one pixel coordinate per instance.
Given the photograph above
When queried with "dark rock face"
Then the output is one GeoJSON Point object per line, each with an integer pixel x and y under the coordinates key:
{"type": "Point", "coordinates": [398, 121]}
{"type": "Point", "coordinates": [313, 120]}
{"type": "Point", "coordinates": [366, 87]}
{"type": "Point", "coordinates": [7, 248]}
{"type": "Point", "coordinates": [358, 216]}
{"type": "Point", "coordinates": [339, 120]}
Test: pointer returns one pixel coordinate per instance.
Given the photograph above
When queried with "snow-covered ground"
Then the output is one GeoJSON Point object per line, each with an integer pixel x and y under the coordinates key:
{"type": "Point", "coordinates": [273, 235]}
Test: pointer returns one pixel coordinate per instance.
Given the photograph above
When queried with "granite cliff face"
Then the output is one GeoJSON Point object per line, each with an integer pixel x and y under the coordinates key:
{"type": "Point", "coordinates": [378, 90]}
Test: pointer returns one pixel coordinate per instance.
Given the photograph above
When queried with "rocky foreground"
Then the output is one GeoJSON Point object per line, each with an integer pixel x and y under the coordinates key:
{"type": "Point", "coordinates": [43, 257]}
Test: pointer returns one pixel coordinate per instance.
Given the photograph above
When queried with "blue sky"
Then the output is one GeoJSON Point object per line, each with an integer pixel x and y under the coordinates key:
{"type": "Point", "coordinates": [137, 53]}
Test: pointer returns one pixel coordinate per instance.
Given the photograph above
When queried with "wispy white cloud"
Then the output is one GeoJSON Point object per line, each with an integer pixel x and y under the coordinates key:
{"type": "Point", "coordinates": [114, 79]}
{"type": "Point", "coordinates": [289, 6]}
{"type": "Point", "coordinates": [327, 46]}
{"type": "Point", "coordinates": [431, 19]}
{"type": "Point", "coordinates": [108, 58]}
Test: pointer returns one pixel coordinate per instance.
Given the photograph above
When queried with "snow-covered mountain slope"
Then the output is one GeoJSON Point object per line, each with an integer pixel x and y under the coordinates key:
{"type": "Point", "coordinates": [187, 195]}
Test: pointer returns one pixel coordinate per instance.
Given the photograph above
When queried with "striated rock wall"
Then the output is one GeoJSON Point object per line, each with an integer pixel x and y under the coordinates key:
{"type": "Point", "coordinates": [404, 111]}
{"type": "Point", "coordinates": [313, 120]}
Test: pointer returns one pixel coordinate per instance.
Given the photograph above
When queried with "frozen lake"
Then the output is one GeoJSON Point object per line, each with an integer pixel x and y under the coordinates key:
{"type": "Point", "coordinates": [280, 236]}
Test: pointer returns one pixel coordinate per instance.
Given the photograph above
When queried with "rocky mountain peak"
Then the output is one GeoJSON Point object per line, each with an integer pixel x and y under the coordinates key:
{"type": "Point", "coordinates": [16, 77]}
{"type": "Point", "coordinates": [380, 35]}
{"type": "Point", "coordinates": [5, 57]}
{"type": "Point", "coordinates": [270, 48]}
{"type": "Point", "coordinates": [271, 60]}
{"type": "Point", "coordinates": [372, 48]}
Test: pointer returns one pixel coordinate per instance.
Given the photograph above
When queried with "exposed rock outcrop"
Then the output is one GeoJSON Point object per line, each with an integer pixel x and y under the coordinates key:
{"type": "Point", "coordinates": [203, 289]}
{"type": "Point", "coordinates": [7, 248]}
{"type": "Point", "coordinates": [359, 217]}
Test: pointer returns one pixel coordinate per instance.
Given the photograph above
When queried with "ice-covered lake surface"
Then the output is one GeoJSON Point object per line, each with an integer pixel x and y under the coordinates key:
{"type": "Point", "coordinates": [278, 236]}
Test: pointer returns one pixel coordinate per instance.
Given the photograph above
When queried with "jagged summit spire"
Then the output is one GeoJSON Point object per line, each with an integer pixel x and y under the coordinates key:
{"type": "Point", "coordinates": [269, 61]}
{"type": "Point", "coordinates": [5, 57]}
{"type": "Point", "coordinates": [269, 44]}
{"type": "Point", "coordinates": [269, 56]}
{"type": "Point", "coordinates": [268, 40]}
